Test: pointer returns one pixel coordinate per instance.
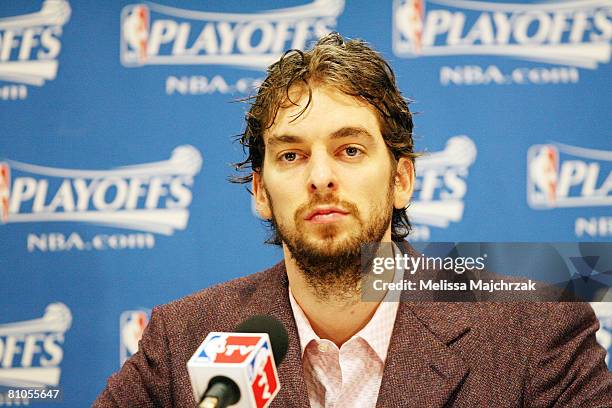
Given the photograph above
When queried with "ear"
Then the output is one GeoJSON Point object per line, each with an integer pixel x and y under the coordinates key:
{"type": "Point", "coordinates": [262, 203]}
{"type": "Point", "coordinates": [404, 183]}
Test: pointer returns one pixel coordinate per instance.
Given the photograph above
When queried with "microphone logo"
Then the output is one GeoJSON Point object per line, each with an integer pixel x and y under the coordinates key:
{"type": "Point", "coordinates": [224, 348]}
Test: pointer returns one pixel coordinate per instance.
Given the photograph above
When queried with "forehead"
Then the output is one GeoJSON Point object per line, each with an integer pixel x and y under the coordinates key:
{"type": "Point", "coordinates": [328, 111]}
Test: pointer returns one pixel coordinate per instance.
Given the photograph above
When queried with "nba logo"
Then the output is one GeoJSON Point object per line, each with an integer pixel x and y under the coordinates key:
{"type": "Point", "coordinates": [5, 183]}
{"type": "Point", "coordinates": [408, 23]}
{"type": "Point", "coordinates": [228, 348]}
{"type": "Point", "coordinates": [542, 176]}
{"type": "Point", "coordinates": [134, 34]}
{"type": "Point", "coordinates": [131, 326]}
{"type": "Point", "coordinates": [214, 346]}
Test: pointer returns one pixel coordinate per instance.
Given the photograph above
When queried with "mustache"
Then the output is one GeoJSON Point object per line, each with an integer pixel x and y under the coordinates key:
{"type": "Point", "coordinates": [325, 199]}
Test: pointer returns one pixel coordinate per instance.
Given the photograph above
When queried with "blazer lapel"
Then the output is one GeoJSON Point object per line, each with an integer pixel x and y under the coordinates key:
{"type": "Point", "coordinates": [422, 370]}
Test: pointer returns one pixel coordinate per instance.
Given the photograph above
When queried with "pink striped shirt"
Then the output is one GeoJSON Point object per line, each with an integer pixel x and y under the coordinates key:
{"type": "Point", "coordinates": [349, 376]}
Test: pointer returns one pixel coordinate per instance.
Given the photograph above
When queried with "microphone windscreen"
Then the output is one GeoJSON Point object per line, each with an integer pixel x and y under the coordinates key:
{"type": "Point", "coordinates": [275, 329]}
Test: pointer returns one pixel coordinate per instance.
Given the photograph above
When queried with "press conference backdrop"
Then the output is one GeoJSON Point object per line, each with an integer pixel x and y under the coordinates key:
{"type": "Point", "coordinates": [117, 121]}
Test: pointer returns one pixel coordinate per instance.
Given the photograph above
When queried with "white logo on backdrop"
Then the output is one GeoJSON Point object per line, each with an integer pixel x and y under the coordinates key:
{"type": "Point", "coordinates": [151, 197]}
{"type": "Point", "coordinates": [32, 350]}
{"type": "Point", "coordinates": [573, 32]}
{"type": "Point", "coordinates": [583, 178]}
{"type": "Point", "coordinates": [30, 44]}
{"type": "Point", "coordinates": [132, 324]}
{"type": "Point", "coordinates": [603, 310]}
{"type": "Point", "coordinates": [162, 35]}
{"type": "Point", "coordinates": [441, 183]}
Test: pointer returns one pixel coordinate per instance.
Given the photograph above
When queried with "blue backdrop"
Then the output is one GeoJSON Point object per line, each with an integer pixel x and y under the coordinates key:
{"type": "Point", "coordinates": [116, 144]}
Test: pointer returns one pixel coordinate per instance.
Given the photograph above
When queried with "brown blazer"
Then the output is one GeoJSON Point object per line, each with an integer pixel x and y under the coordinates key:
{"type": "Point", "coordinates": [441, 354]}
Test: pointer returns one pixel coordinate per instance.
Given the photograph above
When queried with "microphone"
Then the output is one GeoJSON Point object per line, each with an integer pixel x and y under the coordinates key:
{"type": "Point", "coordinates": [240, 367]}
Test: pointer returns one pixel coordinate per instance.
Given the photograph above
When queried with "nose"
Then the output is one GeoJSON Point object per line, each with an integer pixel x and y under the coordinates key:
{"type": "Point", "coordinates": [321, 177]}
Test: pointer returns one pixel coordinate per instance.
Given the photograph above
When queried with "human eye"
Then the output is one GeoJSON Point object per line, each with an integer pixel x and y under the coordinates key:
{"type": "Point", "coordinates": [288, 157]}
{"type": "Point", "coordinates": [351, 151]}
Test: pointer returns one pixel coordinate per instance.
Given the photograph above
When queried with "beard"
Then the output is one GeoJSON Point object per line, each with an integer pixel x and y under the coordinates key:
{"type": "Point", "coordinates": [331, 264]}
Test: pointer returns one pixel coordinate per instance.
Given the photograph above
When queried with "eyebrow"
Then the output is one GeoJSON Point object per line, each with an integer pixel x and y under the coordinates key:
{"type": "Point", "coordinates": [348, 131]}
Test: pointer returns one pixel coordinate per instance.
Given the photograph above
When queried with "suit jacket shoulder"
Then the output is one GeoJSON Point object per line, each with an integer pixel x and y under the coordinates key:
{"type": "Point", "coordinates": [157, 376]}
{"type": "Point", "coordinates": [223, 305]}
{"type": "Point", "coordinates": [497, 354]}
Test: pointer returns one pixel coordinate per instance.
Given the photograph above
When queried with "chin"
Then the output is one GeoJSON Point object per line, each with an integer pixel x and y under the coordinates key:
{"type": "Point", "coordinates": [332, 244]}
{"type": "Point", "coordinates": [329, 233]}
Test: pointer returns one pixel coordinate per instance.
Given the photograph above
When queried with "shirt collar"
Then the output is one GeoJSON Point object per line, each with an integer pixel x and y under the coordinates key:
{"type": "Point", "coordinates": [304, 328]}
{"type": "Point", "coordinates": [377, 332]}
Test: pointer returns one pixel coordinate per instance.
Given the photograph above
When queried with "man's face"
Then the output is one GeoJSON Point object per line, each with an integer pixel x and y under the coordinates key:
{"type": "Point", "coordinates": [328, 178]}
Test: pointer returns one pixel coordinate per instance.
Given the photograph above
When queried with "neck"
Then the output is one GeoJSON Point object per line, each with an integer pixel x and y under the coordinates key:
{"type": "Point", "coordinates": [336, 317]}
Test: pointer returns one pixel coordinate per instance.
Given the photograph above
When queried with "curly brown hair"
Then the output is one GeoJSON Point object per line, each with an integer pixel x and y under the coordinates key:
{"type": "Point", "coordinates": [352, 67]}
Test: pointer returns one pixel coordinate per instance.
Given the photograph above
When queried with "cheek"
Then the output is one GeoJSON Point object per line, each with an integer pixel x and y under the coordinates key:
{"type": "Point", "coordinates": [370, 191]}
{"type": "Point", "coordinates": [371, 183]}
{"type": "Point", "coordinates": [283, 196]}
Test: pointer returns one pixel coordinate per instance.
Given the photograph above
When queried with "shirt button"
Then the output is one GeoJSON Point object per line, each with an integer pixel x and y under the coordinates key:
{"type": "Point", "coordinates": [322, 347]}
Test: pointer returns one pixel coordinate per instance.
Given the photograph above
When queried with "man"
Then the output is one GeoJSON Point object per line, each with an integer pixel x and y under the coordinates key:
{"type": "Point", "coordinates": [330, 148]}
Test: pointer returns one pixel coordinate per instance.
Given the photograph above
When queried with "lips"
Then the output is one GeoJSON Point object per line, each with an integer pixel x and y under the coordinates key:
{"type": "Point", "coordinates": [325, 214]}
